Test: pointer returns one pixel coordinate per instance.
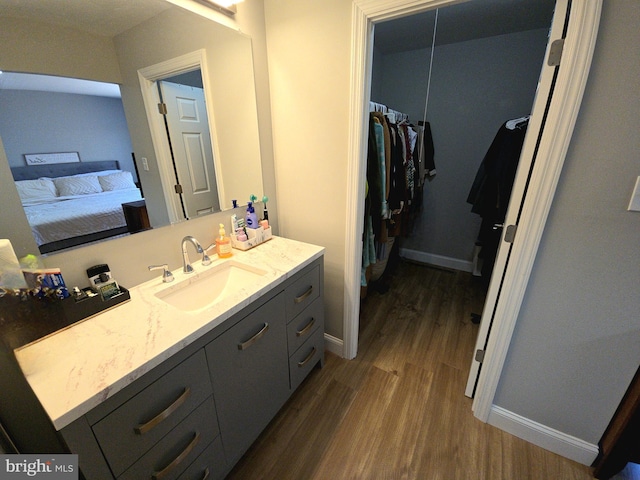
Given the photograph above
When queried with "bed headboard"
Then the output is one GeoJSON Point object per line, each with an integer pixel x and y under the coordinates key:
{"type": "Point", "coordinates": [54, 170]}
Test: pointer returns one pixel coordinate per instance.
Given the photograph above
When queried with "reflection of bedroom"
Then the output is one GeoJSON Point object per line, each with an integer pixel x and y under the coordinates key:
{"type": "Point", "coordinates": [37, 122]}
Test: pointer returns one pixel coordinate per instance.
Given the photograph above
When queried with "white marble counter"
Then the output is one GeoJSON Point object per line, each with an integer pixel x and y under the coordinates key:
{"type": "Point", "coordinates": [76, 369]}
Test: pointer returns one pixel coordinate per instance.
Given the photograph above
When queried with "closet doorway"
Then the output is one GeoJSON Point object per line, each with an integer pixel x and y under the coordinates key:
{"type": "Point", "coordinates": [470, 81]}
{"type": "Point", "coordinates": [559, 114]}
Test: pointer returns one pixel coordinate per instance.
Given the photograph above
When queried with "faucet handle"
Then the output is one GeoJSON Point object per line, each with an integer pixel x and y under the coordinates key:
{"type": "Point", "coordinates": [167, 276]}
{"type": "Point", "coordinates": [205, 258]}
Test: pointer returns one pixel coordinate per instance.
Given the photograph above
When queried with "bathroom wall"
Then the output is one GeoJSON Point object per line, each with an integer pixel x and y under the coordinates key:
{"type": "Point", "coordinates": [309, 66]}
{"type": "Point", "coordinates": [576, 345]}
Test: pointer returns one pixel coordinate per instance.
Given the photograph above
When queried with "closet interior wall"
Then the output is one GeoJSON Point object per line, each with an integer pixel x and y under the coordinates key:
{"type": "Point", "coordinates": [475, 87]}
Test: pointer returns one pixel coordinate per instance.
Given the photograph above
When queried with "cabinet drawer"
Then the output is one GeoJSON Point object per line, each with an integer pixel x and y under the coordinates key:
{"type": "Point", "coordinates": [138, 424]}
{"type": "Point", "coordinates": [210, 465]}
{"type": "Point", "coordinates": [302, 293]}
{"type": "Point", "coordinates": [304, 325]}
{"type": "Point", "coordinates": [306, 357]}
{"type": "Point", "coordinates": [179, 448]}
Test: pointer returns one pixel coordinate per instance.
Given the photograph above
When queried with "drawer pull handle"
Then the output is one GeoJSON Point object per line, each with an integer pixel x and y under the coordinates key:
{"type": "Point", "coordinates": [145, 427]}
{"type": "Point", "coordinates": [304, 295]}
{"type": "Point", "coordinates": [176, 461]}
{"type": "Point", "coordinates": [206, 474]}
{"type": "Point", "coordinates": [255, 338]}
{"type": "Point", "coordinates": [300, 333]}
{"type": "Point", "coordinates": [308, 359]}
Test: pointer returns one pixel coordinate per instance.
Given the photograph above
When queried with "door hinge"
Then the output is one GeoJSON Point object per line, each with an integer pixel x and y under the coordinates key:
{"type": "Point", "coordinates": [162, 108]}
{"type": "Point", "coordinates": [479, 356]}
{"type": "Point", "coordinates": [510, 233]}
{"type": "Point", "coordinates": [178, 188]}
{"type": "Point", "coordinates": [555, 52]}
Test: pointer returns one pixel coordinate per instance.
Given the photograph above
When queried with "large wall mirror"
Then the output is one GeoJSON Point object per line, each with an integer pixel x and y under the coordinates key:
{"type": "Point", "coordinates": [204, 139]}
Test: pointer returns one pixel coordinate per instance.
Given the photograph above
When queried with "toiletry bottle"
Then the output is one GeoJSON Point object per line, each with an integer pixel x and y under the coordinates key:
{"type": "Point", "coordinates": [265, 213]}
{"type": "Point", "coordinates": [223, 243]}
{"type": "Point", "coordinates": [251, 218]}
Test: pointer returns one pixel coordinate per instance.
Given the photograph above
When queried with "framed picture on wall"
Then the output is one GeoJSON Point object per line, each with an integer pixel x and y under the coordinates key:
{"type": "Point", "coordinates": [47, 158]}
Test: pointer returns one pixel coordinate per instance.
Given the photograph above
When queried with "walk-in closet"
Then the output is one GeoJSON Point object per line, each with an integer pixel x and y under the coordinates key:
{"type": "Point", "coordinates": [452, 90]}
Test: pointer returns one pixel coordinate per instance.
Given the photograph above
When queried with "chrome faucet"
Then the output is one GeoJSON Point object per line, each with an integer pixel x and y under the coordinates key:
{"type": "Point", "coordinates": [186, 265]}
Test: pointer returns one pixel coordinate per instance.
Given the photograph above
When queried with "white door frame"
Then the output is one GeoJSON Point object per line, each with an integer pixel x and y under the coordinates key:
{"type": "Point", "coordinates": [148, 77]}
{"type": "Point", "coordinates": [563, 111]}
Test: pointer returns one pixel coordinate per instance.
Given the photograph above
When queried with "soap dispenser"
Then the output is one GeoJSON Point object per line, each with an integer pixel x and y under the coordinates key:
{"type": "Point", "coordinates": [223, 243]}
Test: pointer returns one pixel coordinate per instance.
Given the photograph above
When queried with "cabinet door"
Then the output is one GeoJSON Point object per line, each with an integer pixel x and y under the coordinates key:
{"type": "Point", "coordinates": [250, 375]}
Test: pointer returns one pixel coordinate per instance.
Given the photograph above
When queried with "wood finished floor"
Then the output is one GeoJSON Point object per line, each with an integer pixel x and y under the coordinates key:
{"type": "Point", "coordinates": [398, 410]}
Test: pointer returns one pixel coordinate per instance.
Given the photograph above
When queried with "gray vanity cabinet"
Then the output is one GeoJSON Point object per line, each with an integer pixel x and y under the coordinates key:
{"type": "Point", "coordinates": [249, 373]}
{"type": "Point", "coordinates": [196, 414]}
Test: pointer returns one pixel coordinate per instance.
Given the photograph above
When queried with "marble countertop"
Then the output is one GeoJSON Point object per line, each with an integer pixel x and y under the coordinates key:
{"type": "Point", "coordinates": [76, 369]}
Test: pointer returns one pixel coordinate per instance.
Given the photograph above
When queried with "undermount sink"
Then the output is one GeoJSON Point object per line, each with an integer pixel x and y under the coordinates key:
{"type": "Point", "coordinates": [204, 289]}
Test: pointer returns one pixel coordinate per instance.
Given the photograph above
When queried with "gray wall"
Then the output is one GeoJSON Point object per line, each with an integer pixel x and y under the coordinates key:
{"type": "Point", "coordinates": [475, 87]}
{"type": "Point", "coordinates": [48, 122]}
{"type": "Point", "coordinates": [576, 345]}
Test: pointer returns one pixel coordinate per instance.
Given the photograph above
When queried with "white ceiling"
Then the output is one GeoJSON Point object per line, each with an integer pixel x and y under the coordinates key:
{"type": "Point", "coordinates": [100, 17]}
{"type": "Point", "coordinates": [462, 22]}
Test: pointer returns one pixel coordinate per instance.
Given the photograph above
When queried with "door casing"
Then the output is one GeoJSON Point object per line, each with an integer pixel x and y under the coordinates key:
{"type": "Point", "coordinates": [148, 78]}
{"type": "Point", "coordinates": [190, 136]}
{"type": "Point", "coordinates": [563, 111]}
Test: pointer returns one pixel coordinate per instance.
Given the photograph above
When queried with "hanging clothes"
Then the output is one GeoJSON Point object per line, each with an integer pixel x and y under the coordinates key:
{"type": "Point", "coordinates": [426, 151]}
{"type": "Point", "coordinates": [491, 189]}
{"type": "Point", "coordinates": [399, 158]}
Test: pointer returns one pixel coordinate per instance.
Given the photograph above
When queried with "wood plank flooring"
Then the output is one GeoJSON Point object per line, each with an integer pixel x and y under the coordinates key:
{"type": "Point", "coordinates": [398, 410]}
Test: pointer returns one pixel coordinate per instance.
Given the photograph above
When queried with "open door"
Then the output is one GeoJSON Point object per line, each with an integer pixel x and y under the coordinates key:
{"type": "Point", "coordinates": [190, 139]}
{"type": "Point", "coordinates": [526, 164]}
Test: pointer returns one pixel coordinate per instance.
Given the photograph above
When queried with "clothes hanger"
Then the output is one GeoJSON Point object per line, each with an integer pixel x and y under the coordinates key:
{"type": "Point", "coordinates": [518, 122]}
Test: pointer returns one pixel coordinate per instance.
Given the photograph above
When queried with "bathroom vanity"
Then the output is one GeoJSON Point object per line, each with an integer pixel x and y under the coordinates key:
{"type": "Point", "coordinates": [155, 388]}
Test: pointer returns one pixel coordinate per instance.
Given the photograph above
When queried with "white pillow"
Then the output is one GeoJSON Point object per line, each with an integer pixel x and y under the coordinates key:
{"type": "Point", "coordinates": [116, 181]}
{"type": "Point", "coordinates": [41, 189]}
{"type": "Point", "coordinates": [69, 186]}
{"type": "Point", "coordinates": [98, 173]}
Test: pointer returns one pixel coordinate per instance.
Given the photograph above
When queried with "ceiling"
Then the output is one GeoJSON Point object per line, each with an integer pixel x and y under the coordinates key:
{"type": "Point", "coordinates": [462, 22]}
{"type": "Point", "coordinates": [456, 23]}
{"type": "Point", "coordinates": [100, 17]}
{"type": "Point", "coordinates": [106, 18]}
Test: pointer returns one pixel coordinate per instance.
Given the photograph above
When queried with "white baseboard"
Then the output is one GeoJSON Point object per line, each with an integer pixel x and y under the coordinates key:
{"type": "Point", "coordinates": [334, 345]}
{"type": "Point", "coordinates": [557, 442]}
{"type": "Point", "coordinates": [437, 260]}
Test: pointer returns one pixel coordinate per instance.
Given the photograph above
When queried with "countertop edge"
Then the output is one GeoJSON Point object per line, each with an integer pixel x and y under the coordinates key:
{"type": "Point", "coordinates": [63, 416]}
